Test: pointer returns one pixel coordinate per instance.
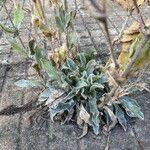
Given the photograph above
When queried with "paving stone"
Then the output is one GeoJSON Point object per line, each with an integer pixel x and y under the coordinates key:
{"type": "Point", "coordinates": [141, 127]}
{"type": "Point", "coordinates": [4, 49]}
{"type": "Point", "coordinates": [85, 42]}
{"type": "Point", "coordinates": [96, 33]}
{"type": "Point", "coordinates": [8, 143]}
{"type": "Point", "coordinates": [4, 58]}
{"type": "Point", "coordinates": [16, 132]}
{"type": "Point", "coordinates": [2, 70]}
{"type": "Point", "coordinates": [16, 70]}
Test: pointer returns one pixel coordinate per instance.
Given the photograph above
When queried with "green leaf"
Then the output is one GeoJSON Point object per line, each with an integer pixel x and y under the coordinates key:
{"type": "Point", "coordinates": [18, 17]}
{"type": "Point", "coordinates": [90, 78]}
{"type": "Point", "coordinates": [45, 95]}
{"type": "Point", "coordinates": [50, 70]}
{"type": "Point", "coordinates": [17, 47]}
{"type": "Point", "coordinates": [90, 66]}
{"type": "Point", "coordinates": [82, 59]}
{"type": "Point", "coordinates": [62, 15]}
{"type": "Point", "coordinates": [28, 84]}
{"type": "Point", "coordinates": [81, 84]}
{"type": "Point", "coordinates": [7, 29]}
{"type": "Point", "coordinates": [134, 46]}
{"type": "Point", "coordinates": [66, 5]}
{"type": "Point", "coordinates": [61, 107]}
{"type": "Point", "coordinates": [71, 64]}
{"type": "Point", "coordinates": [38, 55]}
{"type": "Point", "coordinates": [72, 39]}
{"type": "Point", "coordinates": [120, 116]}
{"type": "Point", "coordinates": [59, 24]}
{"type": "Point", "coordinates": [94, 121]}
{"type": "Point", "coordinates": [96, 86]}
{"type": "Point", "coordinates": [132, 108]}
{"type": "Point", "coordinates": [103, 79]}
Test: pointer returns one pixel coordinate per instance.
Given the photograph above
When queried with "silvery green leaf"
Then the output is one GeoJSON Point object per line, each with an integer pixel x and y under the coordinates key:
{"type": "Point", "coordinates": [83, 94]}
{"type": "Point", "coordinates": [66, 5]}
{"type": "Point", "coordinates": [28, 83]}
{"type": "Point", "coordinates": [82, 59]}
{"type": "Point", "coordinates": [71, 64]}
{"type": "Point", "coordinates": [120, 116]}
{"type": "Point", "coordinates": [62, 15]}
{"type": "Point", "coordinates": [45, 95]}
{"type": "Point", "coordinates": [59, 24]}
{"type": "Point", "coordinates": [18, 48]}
{"type": "Point", "coordinates": [90, 78]}
{"type": "Point", "coordinates": [131, 106]}
{"type": "Point", "coordinates": [81, 84]}
{"type": "Point", "coordinates": [61, 107]}
{"type": "Point", "coordinates": [18, 17]}
{"type": "Point", "coordinates": [50, 70]}
{"type": "Point", "coordinates": [90, 67]}
{"type": "Point", "coordinates": [72, 39]}
{"type": "Point", "coordinates": [103, 79]}
{"type": "Point", "coordinates": [94, 121]}
{"type": "Point", "coordinates": [96, 86]}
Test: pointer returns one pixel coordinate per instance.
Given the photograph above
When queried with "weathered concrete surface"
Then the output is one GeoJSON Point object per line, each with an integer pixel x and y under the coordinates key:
{"type": "Point", "coordinates": [16, 133]}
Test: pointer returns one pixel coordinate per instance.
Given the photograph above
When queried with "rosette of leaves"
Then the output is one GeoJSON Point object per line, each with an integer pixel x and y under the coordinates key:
{"type": "Point", "coordinates": [86, 86]}
{"type": "Point", "coordinates": [77, 91]}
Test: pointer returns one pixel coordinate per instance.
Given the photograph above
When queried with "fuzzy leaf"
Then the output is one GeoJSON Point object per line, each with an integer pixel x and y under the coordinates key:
{"type": "Point", "coordinates": [61, 107]}
{"type": "Point", "coordinates": [17, 47]}
{"type": "Point", "coordinates": [82, 59]}
{"type": "Point", "coordinates": [18, 17]}
{"type": "Point", "coordinates": [103, 79]}
{"type": "Point", "coordinates": [62, 15]}
{"type": "Point", "coordinates": [71, 64]}
{"type": "Point", "coordinates": [96, 86]}
{"type": "Point", "coordinates": [45, 95]}
{"type": "Point", "coordinates": [132, 108]}
{"type": "Point", "coordinates": [28, 83]}
{"type": "Point", "coordinates": [38, 9]}
{"type": "Point", "coordinates": [59, 24]}
{"type": "Point", "coordinates": [94, 121]}
{"type": "Point", "coordinates": [81, 84]}
{"type": "Point", "coordinates": [50, 70]}
{"type": "Point", "coordinates": [72, 39]}
{"type": "Point", "coordinates": [90, 66]}
{"type": "Point", "coordinates": [121, 117]}
{"type": "Point", "coordinates": [90, 78]}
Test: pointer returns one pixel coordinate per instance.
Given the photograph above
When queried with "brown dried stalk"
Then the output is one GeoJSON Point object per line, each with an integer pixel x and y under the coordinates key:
{"type": "Point", "coordinates": [139, 14]}
{"type": "Point", "coordinates": [103, 19]}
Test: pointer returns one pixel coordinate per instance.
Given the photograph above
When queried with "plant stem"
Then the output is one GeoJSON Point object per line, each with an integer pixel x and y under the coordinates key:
{"type": "Point", "coordinates": [139, 15]}
{"type": "Point", "coordinates": [13, 24]}
{"type": "Point", "coordinates": [108, 97]}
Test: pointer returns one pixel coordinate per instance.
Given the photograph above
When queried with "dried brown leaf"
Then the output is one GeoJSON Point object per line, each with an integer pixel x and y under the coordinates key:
{"type": "Point", "coordinates": [128, 38]}
{"type": "Point", "coordinates": [112, 117]}
{"type": "Point", "coordinates": [54, 3]}
{"type": "Point", "coordinates": [128, 4]}
{"type": "Point", "coordinates": [83, 114]}
{"type": "Point", "coordinates": [85, 130]}
{"type": "Point", "coordinates": [125, 46]}
{"type": "Point", "coordinates": [134, 28]}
